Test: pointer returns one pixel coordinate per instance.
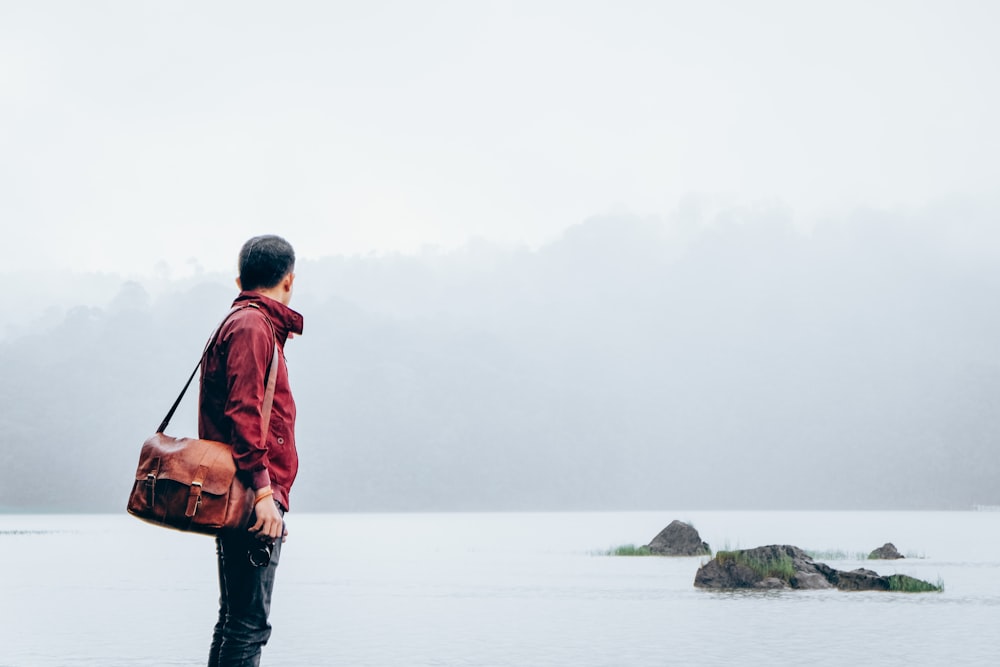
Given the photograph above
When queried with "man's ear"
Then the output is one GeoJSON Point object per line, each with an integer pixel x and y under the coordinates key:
{"type": "Point", "coordinates": [287, 282]}
{"type": "Point", "coordinates": [239, 284]}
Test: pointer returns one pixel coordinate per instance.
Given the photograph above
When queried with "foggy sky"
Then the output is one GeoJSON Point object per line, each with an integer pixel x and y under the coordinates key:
{"type": "Point", "coordinates": [553, 254]}
{"type": "Point", "coordinates": [138, 137]}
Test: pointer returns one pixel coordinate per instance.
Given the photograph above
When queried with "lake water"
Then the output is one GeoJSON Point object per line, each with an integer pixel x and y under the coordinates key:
{"type": "Point", "coordinates": [500, 589]}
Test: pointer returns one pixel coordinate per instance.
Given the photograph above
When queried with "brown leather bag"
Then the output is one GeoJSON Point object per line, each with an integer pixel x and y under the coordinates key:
{"type": "Point", "coordinates": [191, 484]}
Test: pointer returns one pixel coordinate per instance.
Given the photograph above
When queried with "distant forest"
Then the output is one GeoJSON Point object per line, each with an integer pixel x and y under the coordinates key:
{"type": "Point", "coordinates": [722, 361]}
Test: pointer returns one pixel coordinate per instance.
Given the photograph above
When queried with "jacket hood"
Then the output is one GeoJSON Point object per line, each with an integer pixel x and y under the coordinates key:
{"type": "Point", "coordinates": [285, 320]}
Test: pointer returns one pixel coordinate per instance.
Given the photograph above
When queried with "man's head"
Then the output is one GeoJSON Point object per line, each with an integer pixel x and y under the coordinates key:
{"type": "Point", "coordinates": [267, 265]}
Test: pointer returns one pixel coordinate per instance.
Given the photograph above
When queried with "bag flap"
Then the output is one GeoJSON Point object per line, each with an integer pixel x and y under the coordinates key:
{"type": "Point", "coordinates": [179, 459]}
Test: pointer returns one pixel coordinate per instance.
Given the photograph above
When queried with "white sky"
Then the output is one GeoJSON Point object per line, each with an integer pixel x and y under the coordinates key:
{"type": "Point", "coordinates": [137, 132]}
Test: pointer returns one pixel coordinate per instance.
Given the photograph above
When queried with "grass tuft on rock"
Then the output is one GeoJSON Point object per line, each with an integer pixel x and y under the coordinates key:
{"type": "Point", "coordinates": [900, 583]}
{"type": "Point", "coordinates": [630, 550]}
{"type": "Point", "coordinates": [781, 567]}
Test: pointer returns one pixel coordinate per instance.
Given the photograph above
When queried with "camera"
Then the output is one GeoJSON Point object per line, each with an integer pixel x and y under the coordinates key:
{"type": "Point", "coordinates": [260, 553]}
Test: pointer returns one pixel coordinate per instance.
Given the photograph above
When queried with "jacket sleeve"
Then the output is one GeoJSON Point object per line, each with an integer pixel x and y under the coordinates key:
{"type": "Point", "coordinates": [249, 348]}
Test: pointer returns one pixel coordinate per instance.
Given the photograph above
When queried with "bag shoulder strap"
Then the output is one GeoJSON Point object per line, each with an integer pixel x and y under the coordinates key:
{"type": "Point", "coordinates": [265, 412]}
{"type": "Point", "coordinates": [272, 382]}
{"type": "Point", "coordinates": [272, 377]}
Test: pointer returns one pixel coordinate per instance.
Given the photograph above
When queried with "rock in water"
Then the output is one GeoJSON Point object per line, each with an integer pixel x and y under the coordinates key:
{"type": "Point", "coordinates": [885, 552]}
{"type": "Point", "coordinates": [785, 566]}
{"type": "Point", "coordinates": [679, 539]}
{"type": "Point", "coordinates": [773, 566]}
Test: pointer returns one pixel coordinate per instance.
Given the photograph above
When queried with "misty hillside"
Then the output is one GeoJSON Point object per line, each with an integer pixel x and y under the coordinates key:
{"type": "Point", "coordinates": [721, 360]}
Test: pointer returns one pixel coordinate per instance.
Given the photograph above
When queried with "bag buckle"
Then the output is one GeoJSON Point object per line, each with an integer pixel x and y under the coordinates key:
{"type": "Point", "coordinates": [151, 481]}
{"type": "Point", "coordinates": [194, 499]}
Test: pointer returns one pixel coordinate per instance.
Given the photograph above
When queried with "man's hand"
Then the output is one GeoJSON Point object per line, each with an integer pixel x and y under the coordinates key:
{"type": "Point", "coordinates": [269, 525]}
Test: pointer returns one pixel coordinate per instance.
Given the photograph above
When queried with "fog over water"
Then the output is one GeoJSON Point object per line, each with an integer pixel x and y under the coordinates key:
{"type": "Point", "coordinates": [503, 589]}
{"type": "Point", "coordinates": [716, 359]}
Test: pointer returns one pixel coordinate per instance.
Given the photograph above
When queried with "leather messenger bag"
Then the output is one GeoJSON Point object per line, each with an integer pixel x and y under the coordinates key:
{"type": "Point", "coordinates": [191, 484]}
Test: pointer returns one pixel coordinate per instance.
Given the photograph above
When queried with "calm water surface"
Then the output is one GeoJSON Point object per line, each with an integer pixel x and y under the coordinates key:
{"type": "Point", "coordinates": [499, 589]}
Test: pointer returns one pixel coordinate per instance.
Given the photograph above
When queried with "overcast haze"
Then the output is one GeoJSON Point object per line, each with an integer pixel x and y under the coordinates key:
{"type": "Point", "coordinates": [552, 255]}
{"type": "Point", "coordinates": [138, 132]}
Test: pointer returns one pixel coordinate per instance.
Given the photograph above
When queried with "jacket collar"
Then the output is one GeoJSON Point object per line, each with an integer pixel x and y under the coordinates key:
{"type": "Point", "coordinates": [285, 320]}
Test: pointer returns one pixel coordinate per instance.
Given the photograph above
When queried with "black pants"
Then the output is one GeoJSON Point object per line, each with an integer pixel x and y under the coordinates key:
{"type": "Point", "coordinates": [244, 602]}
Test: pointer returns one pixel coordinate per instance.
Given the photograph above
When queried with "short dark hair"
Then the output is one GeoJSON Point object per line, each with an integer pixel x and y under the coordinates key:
{"type": "Point", "coordinates": [264, 261]}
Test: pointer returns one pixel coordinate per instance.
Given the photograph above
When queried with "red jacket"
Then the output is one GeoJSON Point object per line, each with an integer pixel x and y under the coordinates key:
{"type": "Point", "coordinates": [233, 379]}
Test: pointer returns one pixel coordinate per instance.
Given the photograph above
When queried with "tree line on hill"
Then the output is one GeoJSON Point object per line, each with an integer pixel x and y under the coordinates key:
{"type": "Point", "coordinates": [728, 361]}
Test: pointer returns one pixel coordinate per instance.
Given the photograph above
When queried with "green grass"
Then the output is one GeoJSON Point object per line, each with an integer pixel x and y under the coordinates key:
{"type": "Point", "coordinates": [843, 554]}
{"type": "Point", "coordinates": [780, 567]}
{"type": "Point", "coordinates": [900, 583]}
{"type": "Point", "coordinates": [726, 546]}
{"type": "Point", "coordinates": [629, 550]}
{"type": "Point", "coordinates": [836, 554]}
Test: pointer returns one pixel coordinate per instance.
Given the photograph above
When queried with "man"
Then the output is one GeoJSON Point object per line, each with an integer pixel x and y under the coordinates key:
{"type": "Point", "coordinates": [233, 380]}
